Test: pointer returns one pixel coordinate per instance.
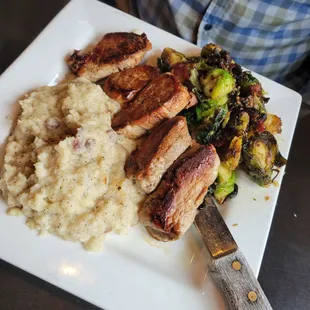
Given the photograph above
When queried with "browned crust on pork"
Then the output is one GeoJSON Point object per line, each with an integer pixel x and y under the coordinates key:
{"type": "Point", "coordinates": [164, 145]}
{"type": "Point", "coordinates": [115, 52]}
{"type": "Point", "coordinates": [162, 98]}
{"type": "Point", "coordinates": [192, 101]}
{"type": "Point", "coordinates": [124, 86]}
{"type": "Point", "coordinates": [181, 71]}
{"type": "Point", "coordinates": [170, 210]}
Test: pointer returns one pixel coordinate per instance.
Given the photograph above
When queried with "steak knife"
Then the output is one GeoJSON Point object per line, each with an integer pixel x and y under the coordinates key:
{"type": "Point", "coordinates": [228, 266]}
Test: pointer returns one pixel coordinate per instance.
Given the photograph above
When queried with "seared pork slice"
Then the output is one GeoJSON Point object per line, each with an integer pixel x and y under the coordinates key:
{"type": "Point", "coordinates": [192, 101]}
{"type": "Point", "coordinates": [157, 153]}
{"type": "Point", "coordinates": [181, 71]}
{"type": "Point", "coordinates": [124, 86]}
{"type": "Point", "coordinates": [170, 210]}
{"type": "Point", "coordinates": [116, 51]}
{"type": "Point", "coordinates": [162, 98]}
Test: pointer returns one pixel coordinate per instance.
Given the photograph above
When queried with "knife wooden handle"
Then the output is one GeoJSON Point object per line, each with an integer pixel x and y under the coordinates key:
{"type": "Point", "coordinates": [236, 278]}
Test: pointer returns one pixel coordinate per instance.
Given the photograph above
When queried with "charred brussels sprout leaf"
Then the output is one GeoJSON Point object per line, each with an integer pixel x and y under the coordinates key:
{"type": "Point", "coordinates": [260, 155]}
{"type": "Point", "coordinates": [238, 122]}
{"type": "Point", "coordinates": [162, 65]}
{"type": "Point", "coordinates": [249, 85]}
{"type": "Point", "coordinates": [194, 79]}
{"type": "Point", "coordinates": [168, 58]}
{"type": "Point", "coordinates": [280, 160]}
{"type": "Point", "coordinates": [210, 49]}
{"type": "Point", "coordinates": [191, 117]}
{"type": "Point", "coordinates": [216, 57]}
{"type": "Point", "coordinates": [212, 120]}
{"type": "Point", "coordinates": [217, 83]}
{"type": "Point", "coordinates": [258, 104]}
{"type": "Point", "coordinates": [225, 184]}
{"type": "Point", "coordinates": [257, 120]}
{"type": "Point", "coordinates": [233, 154]}
{"type": "Point", "coordinates": [273, 124]}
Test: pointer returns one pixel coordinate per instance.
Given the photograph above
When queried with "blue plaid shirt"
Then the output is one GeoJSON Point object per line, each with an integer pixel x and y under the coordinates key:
{"type": "Point", "coordinates": [270, 37]}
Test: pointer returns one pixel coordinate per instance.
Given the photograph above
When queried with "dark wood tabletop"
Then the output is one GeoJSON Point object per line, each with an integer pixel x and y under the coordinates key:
{"type": "Point", "coordinates": [285, 271]}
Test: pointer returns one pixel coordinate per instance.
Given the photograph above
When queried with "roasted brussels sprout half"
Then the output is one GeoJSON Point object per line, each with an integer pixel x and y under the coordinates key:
{"type": "Point", "coordinates": [217, 83]}
{"type": "Point", "coordinates": [238, 122]}
{"type": "Point", "coordinates": [210, 49]}
{"type": "Point", "coordinates": [168, 58]}
{"type": "Point", "coordinates": [257, 120]}
{"type": "Point", "coordinates": [273, 124]}
{"type": "Point", "coordinates": [212, 124]}
{"type": "Point", "coordinates": [194, 79]}
{"type": "Point", "coordinates": [216, 57]}
{"type": "Point", "coordinates": [249, 85]}
{"type": "Point", "coordinates": [225, 186]}
{"type": "Point", "coordinates": [233, 153]}
{"type": "Point", "coordinates": [260, 155]}
{"type": "Point", "coordinates": [258, 104]}
{"type": "Point", "coordinates": [210, 116]}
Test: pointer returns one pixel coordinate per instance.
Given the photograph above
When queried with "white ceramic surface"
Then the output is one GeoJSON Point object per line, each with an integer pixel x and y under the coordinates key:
{"type": "Point", "coordinates": [132, 272]}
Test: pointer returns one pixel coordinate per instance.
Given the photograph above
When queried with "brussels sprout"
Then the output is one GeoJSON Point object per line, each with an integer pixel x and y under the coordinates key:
{"type": "Point", "coordinates": [233, 153]}
{"type": "Point", "coordinates": [238, 122]}
{"type": "Point", "coordinates": [194, 79]}
{"type": "Point", "coordinates": [249, 85]}
{"type": "Point", "coordinates": [212, 120]}
{"type": "Point", "coordinates": [217, 83]}
{"type": "Point", "coordinates": [224, 183]}
{"type": "Point", "coordinates": [260, 154]}
{"type": "Point", "coordinates": [257, 120]}
{"type": "Point", "coordinates": [198, 62]}
{"type": "Point", "coordinates": [168, 58]}
{"type": "Point", "coordinates": [226, 120]}
{"type": "Point", "coordinates": [273, 124]}
{"type": "Point", "coordinates": [280, 161]}
{"type": "Point", "coordinates": [206, 112]}
{"type": "Point", "coordinates": [210, 49]}
{"type": "Point", "coordinates": [258, 104]}
{"type": "Point", "coordinates": [183, 71]}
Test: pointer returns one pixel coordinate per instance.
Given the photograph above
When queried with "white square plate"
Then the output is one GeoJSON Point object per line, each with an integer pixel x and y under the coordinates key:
{"type": "Point", "coordinates": [130, 273]}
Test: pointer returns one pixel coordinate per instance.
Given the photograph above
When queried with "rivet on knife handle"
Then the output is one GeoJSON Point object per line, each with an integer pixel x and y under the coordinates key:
{"type": "Point", "coordinates": [228, 265]}
{"type": "Point", "coordinates": [240, 287]}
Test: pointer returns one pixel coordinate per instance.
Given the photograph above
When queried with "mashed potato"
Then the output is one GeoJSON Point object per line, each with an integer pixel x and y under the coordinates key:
{"type": "Point", "coordinates": [64, 165]}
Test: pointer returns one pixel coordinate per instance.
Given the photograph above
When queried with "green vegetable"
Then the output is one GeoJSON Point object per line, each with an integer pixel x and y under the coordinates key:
{"type": "Point", "coordinates": [210, 49]}
{"type": "Point", "coordinates": [233, 154]}
{"type": "Point", "coordinates": [238, 122]}
{"type": "Point", "coordinates": [226, 120]}
{"type": "Point", "coordinates": [217, 83]}
{"type": "Point", "coordinates": [260, 155]}
{"type": "Point", "coordinates": [257, 119]}
{"type": "Point", "coordinates": [168, 58]}
{"type": "Point", "coordinates": [224, 184]}
{"type": "Point", "coordinates": [259, 104]}
{"type": "Point", "coordinates": [249, 85]}
{"type": "Point", "coordinates": [194, 79]}
{"type": "Point", "coordinates": [280, 161]}
{"type": "Point", "coordinates": [212, 120]}
{"type": "Point", "coordinates": [208, 108]}
{"type": "Point", "coordinates": [199, 63]}
{"type": "Point", "coordinates": [273, 124]}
